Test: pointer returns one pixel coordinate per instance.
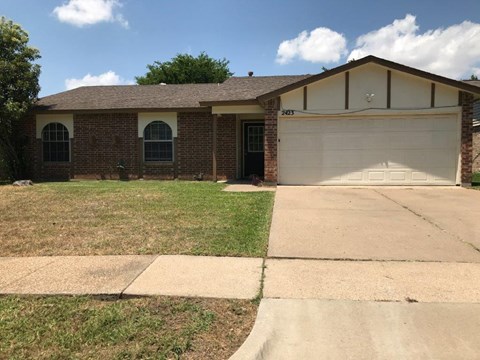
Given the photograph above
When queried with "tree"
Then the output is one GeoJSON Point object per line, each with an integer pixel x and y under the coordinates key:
{"type": "Point", "coordinates": [474, 77]}
{"type": "Point", "coordinates": [19, 88]}
{"type": "Point", "coordinates": [186, 69]}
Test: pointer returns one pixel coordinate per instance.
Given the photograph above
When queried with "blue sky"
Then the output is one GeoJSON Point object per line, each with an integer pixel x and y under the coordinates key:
{"type": "Point", "coordinates": [114, 40]}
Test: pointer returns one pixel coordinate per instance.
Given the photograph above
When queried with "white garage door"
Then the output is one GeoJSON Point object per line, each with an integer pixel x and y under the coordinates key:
{"type": "Point", "coordinates": [375, 151]}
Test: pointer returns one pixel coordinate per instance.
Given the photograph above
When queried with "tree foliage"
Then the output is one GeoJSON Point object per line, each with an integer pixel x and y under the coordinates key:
{"type": "Point", "coordinates": [186, 69]}
{"type": "Point", "coordinates": [474, 77]}
{"type": "Point", "coordinates": [19, 88]}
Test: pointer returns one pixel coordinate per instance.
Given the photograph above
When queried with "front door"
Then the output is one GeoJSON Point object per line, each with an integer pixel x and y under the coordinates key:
{"type": "Point", "coordinates": [253, 155]}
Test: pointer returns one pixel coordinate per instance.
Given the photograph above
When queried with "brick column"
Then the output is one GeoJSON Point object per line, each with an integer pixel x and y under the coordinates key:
{"type": "Point", "coordinates": [467, 130]}
{"type": "Point", "coordinates": [271, 124]}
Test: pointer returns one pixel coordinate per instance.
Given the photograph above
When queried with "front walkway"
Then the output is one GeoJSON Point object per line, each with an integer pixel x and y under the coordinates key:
{"type": "Point", "coordinates": [218, 277]}
{"type": "Point", "coordinates": [226, 277]}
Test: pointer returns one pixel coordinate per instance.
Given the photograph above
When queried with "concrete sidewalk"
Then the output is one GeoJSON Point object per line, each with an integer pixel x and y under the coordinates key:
{"type": "Point", "coordinates": [219, 277]}
{"type": "Point", "coordinates": [227, 277]}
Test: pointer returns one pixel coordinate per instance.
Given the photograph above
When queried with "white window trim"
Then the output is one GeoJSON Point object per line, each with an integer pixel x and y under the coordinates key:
{"type": "Point", "coordinates": [45, 119]}
{"type": "Point", "coordinates": [169, 118]}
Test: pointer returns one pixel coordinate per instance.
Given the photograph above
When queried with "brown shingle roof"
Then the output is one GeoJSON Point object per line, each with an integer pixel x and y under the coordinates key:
{"type": "Point", "coordinates": [234, 90]}
{"type": "Point", "coordinates": [163, 96]}
{"type": "Point", "coordinates": [473, 82]}
{"type": "Point", "coordinates": [250, 87]}
{"type": "Point", "coordinates": [128, 97]}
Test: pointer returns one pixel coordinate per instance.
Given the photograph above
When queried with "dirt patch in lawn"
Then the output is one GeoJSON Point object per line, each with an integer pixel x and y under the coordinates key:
{"type": "Point", "coordinates": [136, 217]}
{"type": "Point", "coordinates": [159, 327]}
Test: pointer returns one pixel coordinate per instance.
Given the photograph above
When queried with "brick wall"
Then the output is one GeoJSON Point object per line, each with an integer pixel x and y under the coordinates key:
{"type": "Point", "coordinates": [226, 147]}
{"type": "Point", "coordinates": [28, 129]}
{"type": "Point", "coordinates": [476, 149]}
{"type": "Point", "coordinates": [195, 144]}
{"type": "Point", "coordinates": [271, 125]}
{"type": "Point", "coordinates": [36, 169]}
{"type": "Point", "coordinates": [467, 129]}
{"type": "Point", "coordinates": [102, 141]}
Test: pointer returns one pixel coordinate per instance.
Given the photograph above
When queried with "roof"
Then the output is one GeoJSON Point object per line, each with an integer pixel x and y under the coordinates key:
{"type": "Point", "coordinates": [128, 97]}
{"type": "Point", "coordinates": [180, 96]}
{"type": "Point", "coordinates": [235, 90]}
{"type": "Point", "coordinates": [249, 88]}
{"type": "Point", "coordinates": [473, 82]}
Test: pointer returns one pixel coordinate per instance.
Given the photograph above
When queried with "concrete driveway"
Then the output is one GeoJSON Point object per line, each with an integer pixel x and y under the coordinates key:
{"type": "Point", "coordinates": [322, 329]}
{"type": "Point", "coordinates": [376, 223]}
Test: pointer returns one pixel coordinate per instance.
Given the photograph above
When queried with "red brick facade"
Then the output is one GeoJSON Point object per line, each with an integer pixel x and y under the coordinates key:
{"type": "Point", "coordinates": [226, 147]}
{"type": "Point", "coordinates": [271, 121]}
{"type": "Point", "coordinates": [476, 149]}
{"type": "Point", "coordinates": [102, 141]}
{"type": "Point", "coordinates": [195, 144]}
{"type": "Point", "coordinates": [467, 129]}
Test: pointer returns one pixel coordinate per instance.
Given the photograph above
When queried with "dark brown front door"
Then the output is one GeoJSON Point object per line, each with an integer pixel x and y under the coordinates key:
{"type": "Point", "coordinates": [253, 153]}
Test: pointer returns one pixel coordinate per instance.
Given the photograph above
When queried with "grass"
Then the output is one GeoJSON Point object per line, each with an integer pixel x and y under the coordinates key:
{"type": "Point", "coordinates": [136, 217]}
{"type": "Point", "coordinates": [142, 328]}
{"type": "Point", "coordinates": [476, 179]}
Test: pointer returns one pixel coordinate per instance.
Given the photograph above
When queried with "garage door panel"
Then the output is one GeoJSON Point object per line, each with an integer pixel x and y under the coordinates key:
{"type": "Point", "coordinates": [304, 142]}
{"type": "Point", "coordinates": [415, 150]}
{"type": "Point", "coordinates": [302, 126]}
{"type": "Point", "coordinates": [445, 124]}
{"type": "Point", "coordinates": [309, 159]}
{"type": "Point", "coordinates": [443, 140]}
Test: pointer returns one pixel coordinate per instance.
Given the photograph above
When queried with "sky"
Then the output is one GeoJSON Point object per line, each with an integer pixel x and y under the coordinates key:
{"type": "Point", "coordinates": [109, 42]}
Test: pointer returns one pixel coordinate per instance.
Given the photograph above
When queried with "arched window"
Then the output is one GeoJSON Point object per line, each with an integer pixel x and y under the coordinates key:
{"type": "Point", "coordinates": [56, 143]}
{"type": "Point", "coordinates": [158, 142]}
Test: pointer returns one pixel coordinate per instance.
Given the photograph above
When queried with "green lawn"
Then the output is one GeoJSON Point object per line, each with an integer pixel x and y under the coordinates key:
{"type": "Point", "coordinates": [476, 179]}
{"type": "Point", "coordinates": [145, 328]}
{"type": "Point", "coordinates": [136, 217]}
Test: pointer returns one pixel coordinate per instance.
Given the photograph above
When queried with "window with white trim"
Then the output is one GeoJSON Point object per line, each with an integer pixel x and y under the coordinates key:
{"type": "Point", "coordinates": [56, 143]}
{"type": "Point", "coordinates": [158, 142]}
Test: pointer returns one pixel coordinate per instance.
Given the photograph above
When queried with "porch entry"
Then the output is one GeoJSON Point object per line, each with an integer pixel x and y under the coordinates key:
{"type": "Point", "coordinates": [253, 151]}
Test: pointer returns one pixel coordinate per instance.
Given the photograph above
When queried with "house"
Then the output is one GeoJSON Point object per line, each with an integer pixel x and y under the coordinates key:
{"type": "Point", "coordinates": [370, 121]}
{"type": "Point", "coordinates": [476, 133]}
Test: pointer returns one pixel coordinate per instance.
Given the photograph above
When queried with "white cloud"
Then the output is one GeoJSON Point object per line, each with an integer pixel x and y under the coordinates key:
{"type": "Point", "coordinates": [453, 51]}
{"type": "Point", "coordinates": [320, 45]}
{"type": "Point", "coordinates": [108, 78]}
{"type": "Point", "coordinates": [89, 12]}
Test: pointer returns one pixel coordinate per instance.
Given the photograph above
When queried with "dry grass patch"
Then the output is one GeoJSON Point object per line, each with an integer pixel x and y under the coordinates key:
{"type": "Point", "coordinates": [137, 217]}
{"type": "Point", "coordinates": [144, 328]}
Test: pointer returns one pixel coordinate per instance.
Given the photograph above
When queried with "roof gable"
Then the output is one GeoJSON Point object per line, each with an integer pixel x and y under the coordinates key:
{"type": "Point", "coordinates": [465, 86]}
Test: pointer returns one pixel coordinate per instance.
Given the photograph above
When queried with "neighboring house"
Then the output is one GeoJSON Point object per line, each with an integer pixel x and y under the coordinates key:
{"type": "Point", "coordinates": [370, 121]}
{"type": "Point", "coordinates": [476, 134]}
